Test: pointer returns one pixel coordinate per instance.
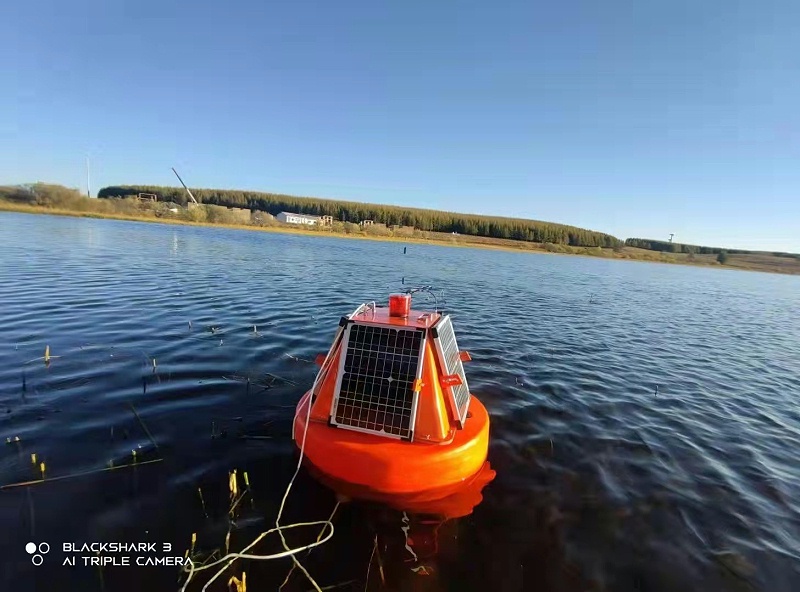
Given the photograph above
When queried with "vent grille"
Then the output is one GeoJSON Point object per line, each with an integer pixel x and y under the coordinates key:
{"type": "Point", "coordinates": [375, 386]}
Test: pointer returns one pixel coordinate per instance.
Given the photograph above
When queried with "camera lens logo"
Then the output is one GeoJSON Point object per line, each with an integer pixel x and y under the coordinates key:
{"type": "Point", "coordinates": [37, 552]}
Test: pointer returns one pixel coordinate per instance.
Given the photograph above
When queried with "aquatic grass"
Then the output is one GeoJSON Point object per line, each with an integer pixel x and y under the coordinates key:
{"type": "Point", "coordinates": [46, 357]}
{"type": "Point", "coordinates": [238, 482]}
{"type": "Point", "coordinates": [143, 426]}
{"type": "Point", "coordinates": [237, 493]}
{"type": "Point", "coordinates": [205, 512]}
{"type": "Point", "coordinates": [76, 475]}
{"type": "Point", "coordinates": [299, 359]}
{"type": "Point", "coordinates": [233, 484]}
{"type": "Point", "coordinates": [241, 585]}
{"type": "Point", "coordinates": [369, 563]}
{"type": "Point", "coordinates": [42, 467]}
{"type": "Point", "coordinates": [380, 562]}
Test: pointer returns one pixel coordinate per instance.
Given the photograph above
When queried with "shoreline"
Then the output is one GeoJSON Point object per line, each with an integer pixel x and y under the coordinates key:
{"type": "Point", "coordinates": [446, 240]}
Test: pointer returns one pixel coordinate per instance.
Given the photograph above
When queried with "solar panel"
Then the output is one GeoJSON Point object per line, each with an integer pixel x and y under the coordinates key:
{"type": "Point", "coordinates": [375, 385]}
{"type": "Point", "coordinates": [447, 348]}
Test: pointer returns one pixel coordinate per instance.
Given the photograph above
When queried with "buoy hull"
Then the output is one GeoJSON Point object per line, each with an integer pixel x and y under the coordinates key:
{"type": "Point", "coordinates": [387, 466]}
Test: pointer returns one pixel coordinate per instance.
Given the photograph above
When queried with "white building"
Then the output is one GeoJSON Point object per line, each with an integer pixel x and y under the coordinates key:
{"type": "Point", "coordinates": [291, 218]}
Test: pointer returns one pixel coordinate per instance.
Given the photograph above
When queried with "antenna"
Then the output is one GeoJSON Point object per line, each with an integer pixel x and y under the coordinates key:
{"type": "Point", "coordinates": [194, 201]}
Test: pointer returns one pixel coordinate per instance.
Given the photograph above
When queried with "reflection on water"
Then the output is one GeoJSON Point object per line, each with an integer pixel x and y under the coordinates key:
{"type": "Point", "coordinates": [643, 439]}
{"type": "Point", "coordinates": [411, 537]}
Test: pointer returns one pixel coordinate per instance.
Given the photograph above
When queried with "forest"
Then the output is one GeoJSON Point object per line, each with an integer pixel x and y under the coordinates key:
{"type": "Point", "coordinates": [666, 246]}
{"type": "Point", "coordinates": [346, 211]}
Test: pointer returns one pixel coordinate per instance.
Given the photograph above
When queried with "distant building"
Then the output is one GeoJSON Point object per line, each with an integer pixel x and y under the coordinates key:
{"type": "Point", "coordinates": [326, 221]}
{"type": "Point", "coordinates": [290, 218]}
{"type": "Point", "coordinates": [367, 222]}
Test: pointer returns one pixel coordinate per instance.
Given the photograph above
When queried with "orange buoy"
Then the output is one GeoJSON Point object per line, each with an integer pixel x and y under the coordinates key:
{"type": "Point", "coordinates": [390, 412]}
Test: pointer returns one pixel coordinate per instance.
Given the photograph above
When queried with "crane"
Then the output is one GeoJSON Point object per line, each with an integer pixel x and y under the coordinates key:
{"type": "Point", "coordinates": [194, 201]}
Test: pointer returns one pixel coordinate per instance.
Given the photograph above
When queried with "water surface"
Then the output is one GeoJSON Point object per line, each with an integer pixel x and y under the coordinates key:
{"type": "Point", "coordinates": [645, 424]}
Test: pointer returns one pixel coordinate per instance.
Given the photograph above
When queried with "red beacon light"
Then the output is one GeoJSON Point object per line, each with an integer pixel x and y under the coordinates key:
{"type": "Point", "coordinates": [399, 305]}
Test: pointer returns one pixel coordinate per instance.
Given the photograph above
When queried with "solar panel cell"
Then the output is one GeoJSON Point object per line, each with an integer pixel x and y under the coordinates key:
{"type": "Point", "coordinates": [375, 392]}
{"type": "Point", "coordinates": [447, 348]}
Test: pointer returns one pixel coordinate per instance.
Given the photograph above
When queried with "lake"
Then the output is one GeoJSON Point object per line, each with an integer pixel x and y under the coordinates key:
{"type": "Point", "coordinates": [645, 417]}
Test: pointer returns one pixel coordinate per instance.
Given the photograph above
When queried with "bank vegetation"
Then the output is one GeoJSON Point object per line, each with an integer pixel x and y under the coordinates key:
{"type": "Point", "coordinates": [435, 227]}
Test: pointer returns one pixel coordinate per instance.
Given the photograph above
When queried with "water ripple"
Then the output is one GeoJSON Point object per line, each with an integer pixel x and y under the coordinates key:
{"type": "Point", "coordinates": [645, 438]}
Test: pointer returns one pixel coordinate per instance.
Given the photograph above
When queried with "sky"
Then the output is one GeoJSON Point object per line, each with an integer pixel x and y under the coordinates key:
{"type": "Point", "coordinates": [639, 118]}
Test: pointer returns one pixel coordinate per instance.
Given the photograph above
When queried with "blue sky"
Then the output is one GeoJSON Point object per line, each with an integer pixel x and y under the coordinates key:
{"type": "Point", "coordinates": [637, 117]}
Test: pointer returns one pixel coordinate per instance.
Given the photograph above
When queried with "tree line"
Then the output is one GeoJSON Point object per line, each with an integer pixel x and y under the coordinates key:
{"type": "Point", "coordinates": [656, 245]}
{"type": "Point", "coordinates": [666, 246]}
{"type": "Point", "coordinates": [347, 211]}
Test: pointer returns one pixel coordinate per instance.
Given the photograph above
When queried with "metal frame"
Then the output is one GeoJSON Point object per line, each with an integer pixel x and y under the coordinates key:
{"type": "Point", "coordinates": [461, 413]}
{"type": "Point", "coordinates": [338, 387]}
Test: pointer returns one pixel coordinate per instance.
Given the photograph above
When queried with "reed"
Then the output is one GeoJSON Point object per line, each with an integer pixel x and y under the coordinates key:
{"type": "Point", "coordinates": [100, 575]}
{"type": "Point", "coordinates": [142, 424]}
{"type": "Point", "coordinates": [380, 562]}
{"type": "Point", "coordinates": [233, 484]}
{"type": "Point", "coordinates": [241, 585]}
{"type": "Point", "coordinates": [203, 504]}
{"type": "Point", "coordinates": [75, 475]}
{"type": "Point", "coordinates": [369, 564]}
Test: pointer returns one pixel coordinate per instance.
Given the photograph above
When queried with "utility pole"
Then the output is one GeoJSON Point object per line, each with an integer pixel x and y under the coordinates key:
{"type": "Point", "coordinates": [194, 201]}
{"type": "Point", "coordinates": [88, 179]}
{"type": "Point", "coordinates": [671, 234]}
